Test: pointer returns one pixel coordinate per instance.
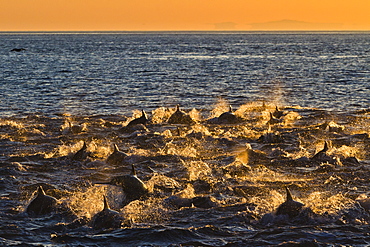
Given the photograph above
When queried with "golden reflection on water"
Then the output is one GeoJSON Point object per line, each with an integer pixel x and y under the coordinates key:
{"type": "Point", "coordinates": [201, 150]}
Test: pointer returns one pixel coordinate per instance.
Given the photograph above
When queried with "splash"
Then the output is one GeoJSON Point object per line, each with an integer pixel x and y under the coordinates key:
{"type": "Point", "coordinates": [345, 151]}
{"type": "Point", "coordinates": [267, 203]}
{"type": "Point", "coordinates": [187, 192]}
{"type": "Point", "coordinates": [65, 149]}
{"type": "Point", "coordinates": [325, 203]}
{"type": "Point", "coordinates": [261, 173]}
{"type": "Point", "coordinates": [88, 202]}
{"type": "Point", "coordinates": [221, 106]}
{"type": "Point", "coordinates": [150, 211]}
{"type": "Point", "coordinates": [198, 170]}
{"type": "Point", "coordinates": [275, 93]}
{"type": "Point", "coordinates": [70, 126]}
{"type": "Point", "coordinates": [163, 182]}
{"type": "Point", "coordinates": [161, 115]}
{"type": "Point", "coordinates": [185, 149]}
{"type": "Point", "coordinates": [102, 149]}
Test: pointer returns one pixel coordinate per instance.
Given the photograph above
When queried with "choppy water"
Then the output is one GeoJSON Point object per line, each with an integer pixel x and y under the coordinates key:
{"type": "Point", "coordinates": [117, 73]}
{"type": "Point", "coordinates": [99, 82]}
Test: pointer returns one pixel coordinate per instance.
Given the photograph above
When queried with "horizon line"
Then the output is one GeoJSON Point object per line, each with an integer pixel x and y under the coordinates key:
{"type": "Point", "coordinates": [185, 30]}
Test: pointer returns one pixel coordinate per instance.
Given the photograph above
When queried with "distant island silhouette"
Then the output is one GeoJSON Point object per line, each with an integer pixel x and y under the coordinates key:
{"type": "Point", "coordinates": [294, 25]}
{"type": "Point", "coordinates": [225, 26]}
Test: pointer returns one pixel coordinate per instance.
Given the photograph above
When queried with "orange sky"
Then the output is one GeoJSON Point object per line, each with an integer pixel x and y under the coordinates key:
{"type": "Point", "coordinates": [131, 15]}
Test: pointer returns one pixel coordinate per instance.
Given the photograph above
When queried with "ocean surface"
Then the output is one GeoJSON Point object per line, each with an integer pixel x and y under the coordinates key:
{"type": "Point", "coordinates": [114, 73]}
{"type": "Point", "coordinates": [299, 119]}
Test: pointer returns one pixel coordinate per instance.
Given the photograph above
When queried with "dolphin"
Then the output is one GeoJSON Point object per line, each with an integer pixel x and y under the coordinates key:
{"type": "Point", "coordinates": [75, 128]}
{"type": "Point", "coordinates": [107, 218]}
{"type": "Point", "coordinates": [289, 207]}
{"type": "Point", "coordinates": [273, 120]}
{"type": "Point", "coordinates": [41, 204]}
{"type": "Point", "coordinates": [229, 117]}
{"type": "Point", "coordinates": [18, 49]}
{"type": "Point", "coordinates": [322, 153]}
{"type": "Point", "coordinates": [117, 157]}
{"type": "Point", "coordinates": [141, 120]}
{"type": "Point", "coordinates": [133, 186]}
{"type": "Point", "coordinates": [277, 113]}
{"type": "Point", "coordinates": [364, 203]}
{"type": "Point", "coordinates": [271, 137]}
{"type": "Point", "coordinates": [137, 123]}
{"type": "Point", "coordinates": [204, 202]}
{"type": "Point", "coordinates": [81, 154]}
{"type": "Point", "coordinates": [177, 202]}
{"type": "Point", "coordinates": [180, 117]}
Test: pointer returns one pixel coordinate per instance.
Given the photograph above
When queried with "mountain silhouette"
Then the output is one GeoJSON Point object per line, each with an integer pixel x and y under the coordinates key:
{"type": "Point", "coordinates": [294, 25]}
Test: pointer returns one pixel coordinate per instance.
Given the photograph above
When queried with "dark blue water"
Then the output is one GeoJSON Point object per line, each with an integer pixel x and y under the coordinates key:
{"type": "Point", "coordinates": [65, 89]}
{"type": "Point", "coordinates": [99, 73]}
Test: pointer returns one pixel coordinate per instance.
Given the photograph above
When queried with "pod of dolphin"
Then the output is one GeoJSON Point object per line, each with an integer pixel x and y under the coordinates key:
{"type": "Point", "coordinates": [135, 189]}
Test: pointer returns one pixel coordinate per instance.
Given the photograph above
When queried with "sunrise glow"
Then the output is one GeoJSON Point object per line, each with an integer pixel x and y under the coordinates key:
{"type": "Point", "coordinates": [166, 15]}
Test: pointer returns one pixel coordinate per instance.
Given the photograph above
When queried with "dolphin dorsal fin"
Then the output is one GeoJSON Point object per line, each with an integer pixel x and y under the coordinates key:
{"type": "Point", "coordinates": [133, 172]}
{"type": "Point", "coordinates": [106, 205]}
{"type": "Point", "coordinates": [143, 115]}
{"type": "Point", "coordinates": [289, 196]}
{"type": "Point", "coordinates": [326, 147]}
{"type": "Point", "coordinates": [230, 108]}
{"type": "Point", "coordinates": [84, 147]}
{"type": "Point", "coordinates": [115, 148]}
{"type": "Point", "coordinates": [40, 191]}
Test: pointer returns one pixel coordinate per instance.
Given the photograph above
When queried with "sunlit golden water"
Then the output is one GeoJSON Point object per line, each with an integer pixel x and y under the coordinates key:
{"type": "Point", "coordinates": [243, 167]}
